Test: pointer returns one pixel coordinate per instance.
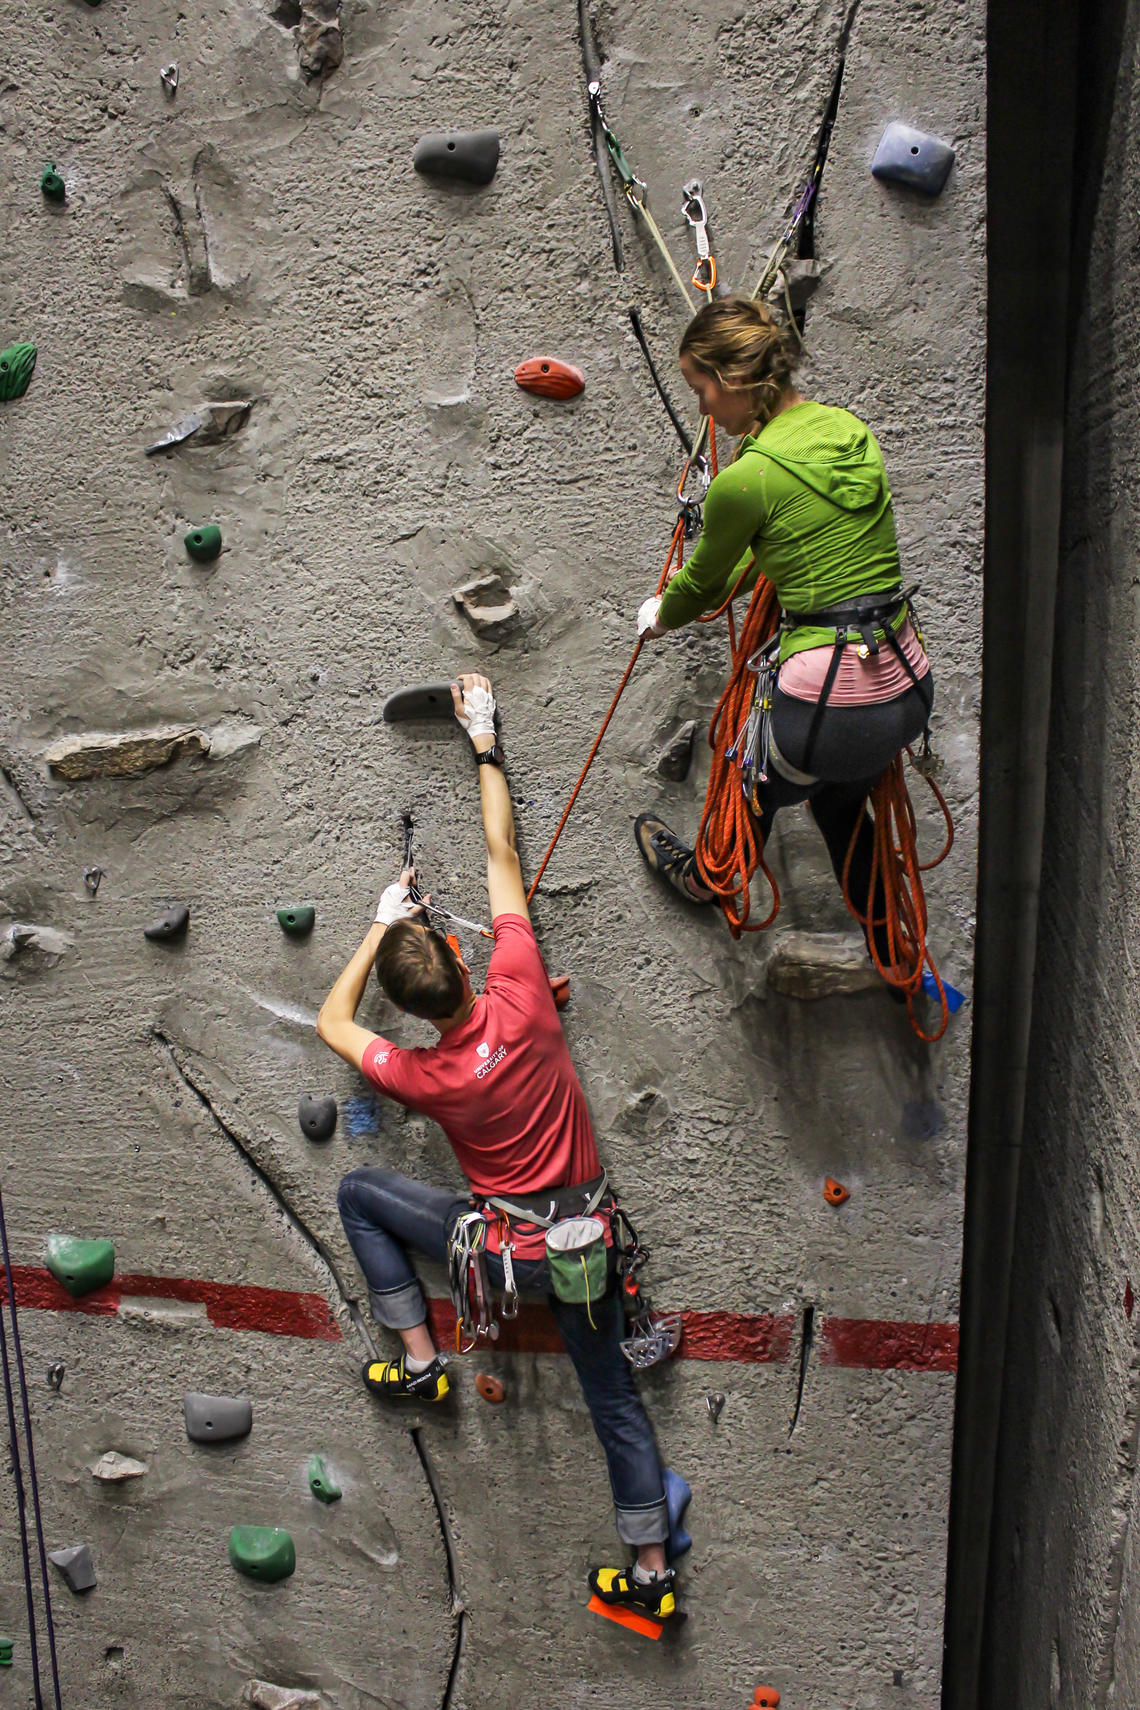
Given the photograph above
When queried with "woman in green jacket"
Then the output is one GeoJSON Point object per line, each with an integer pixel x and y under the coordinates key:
{"type": "Point", "coordinates": [807, 497]}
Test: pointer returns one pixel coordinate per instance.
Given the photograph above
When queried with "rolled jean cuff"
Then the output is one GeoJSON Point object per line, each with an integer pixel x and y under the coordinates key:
{"type": "Point", "coordinates": [400, 1308]}
{"type": "Point", "coordinates": [648, 1524]}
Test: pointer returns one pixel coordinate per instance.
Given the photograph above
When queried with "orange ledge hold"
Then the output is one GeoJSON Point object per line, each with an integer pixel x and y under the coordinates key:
{"type": "Point", "coordinates": [627, 1618]}
{"type": "Point", "coordinates": [834, 1193]}
{"type": "Point", "coordinates": [766, 1698]}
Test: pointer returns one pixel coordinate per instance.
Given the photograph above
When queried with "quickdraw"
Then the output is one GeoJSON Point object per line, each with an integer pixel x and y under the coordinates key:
{"type": "Point", "coordinates": [468, 1283]}
{"type": "Point", "coordinates": [694, 210]}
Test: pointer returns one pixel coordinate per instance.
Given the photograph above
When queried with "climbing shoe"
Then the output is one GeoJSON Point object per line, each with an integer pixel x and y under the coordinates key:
{"type": "Point", "coordinates": [391, 1380]}
{"type": "Point", "coordinates": [667, 855]}
{"type": "Point", "coordinates": [621, 1586]}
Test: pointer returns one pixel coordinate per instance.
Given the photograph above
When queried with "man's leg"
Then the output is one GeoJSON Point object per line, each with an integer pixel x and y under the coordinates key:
{"type": "Point", "coordinates": [384, 1213]}
{"type": "Point", "coordinates": [626, 1436]}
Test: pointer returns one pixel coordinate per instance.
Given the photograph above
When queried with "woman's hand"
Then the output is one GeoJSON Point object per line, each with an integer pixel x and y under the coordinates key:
{"type": "Point", "coordinates": [647, 624]}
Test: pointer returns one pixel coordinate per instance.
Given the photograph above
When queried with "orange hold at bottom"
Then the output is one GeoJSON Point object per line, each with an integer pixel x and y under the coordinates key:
{"type": "Point", "coordinates": [560, 990]}
{"type": "Point", "coordinates": [834, 1193]}
{"type": "Point", "coordinates": [627, 1618]}
{"type": "Point", "coordinates": [489, 1387]}
{"type": "Point", "coordinates": [766, 1698]}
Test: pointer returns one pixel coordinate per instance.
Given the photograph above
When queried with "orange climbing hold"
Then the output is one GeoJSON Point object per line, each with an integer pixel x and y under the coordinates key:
{"type": "Point", "coordinates": [489, 1387]}
{"type": "Point", "coordinates": [627, 1618]}
{"type": "Point", "coordinates": [765, 1698]}
{"type": "Point", "coordinates": [560, 990]}
{"type": "Point", "coordinates": [550, 378]}
{"type": "Point", "coordinates": [834, 1192]}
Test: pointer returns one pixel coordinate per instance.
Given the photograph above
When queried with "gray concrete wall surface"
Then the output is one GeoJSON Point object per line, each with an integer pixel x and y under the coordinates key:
{"type": "Point", "coordinates": [260, 234]}
{"type": "Point", "coordinates": [1064, 1623]}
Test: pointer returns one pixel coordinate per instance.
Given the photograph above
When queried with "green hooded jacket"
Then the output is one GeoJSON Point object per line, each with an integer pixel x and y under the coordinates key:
{"type": "Point", "coordinates": [808, 496]}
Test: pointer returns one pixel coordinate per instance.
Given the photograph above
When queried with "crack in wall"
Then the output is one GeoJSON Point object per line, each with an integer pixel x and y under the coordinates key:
{"type": "Point", "coordinates": [807, 1342]}
{"type": "Point", "coordinates": [11, 791]}
{"type": "Point", "coordinates": [227, 1125]}
{"type": "Point", "coordinates": [457, 1609]}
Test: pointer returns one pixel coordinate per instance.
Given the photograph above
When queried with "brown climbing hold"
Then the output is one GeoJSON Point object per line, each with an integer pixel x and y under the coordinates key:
{"type": "Point", "coordinates": [834, 1192]}
{"type": "Point", "coordinates": [489, 1387]}
{"type": "Point", "coordinates": [765, 1698]}
{"type": "Point", "coordinates": [550, 378]}
{"type": "Point", "coordinates": [560, 990]}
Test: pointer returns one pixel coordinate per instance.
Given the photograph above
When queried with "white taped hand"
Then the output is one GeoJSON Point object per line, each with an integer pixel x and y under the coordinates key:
{"type": "Point", "coordinates": [478, 715]}
{"type": "Point", "coordinates": [396, 904]}
{"type": "Point", "coordinates": [647, 623]}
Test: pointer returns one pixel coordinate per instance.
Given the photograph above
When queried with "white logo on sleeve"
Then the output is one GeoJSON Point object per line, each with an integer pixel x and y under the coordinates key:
{"type": "Point", "coordinates": [491, 1059]}
{"type": "Point", "coordinates": [382, 1058]}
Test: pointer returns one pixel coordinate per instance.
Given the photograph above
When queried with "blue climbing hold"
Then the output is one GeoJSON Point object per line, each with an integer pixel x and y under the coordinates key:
{"type": "Point", "coordinates": [954, 998]}
{"type": "Point", "coordinates": [677, 1498]}
{"type": "Point", "coordinates": [907, 156]}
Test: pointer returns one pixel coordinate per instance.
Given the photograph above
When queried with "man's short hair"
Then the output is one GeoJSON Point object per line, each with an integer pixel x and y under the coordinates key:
{"type": "Point", "coordinates": [419, 971]}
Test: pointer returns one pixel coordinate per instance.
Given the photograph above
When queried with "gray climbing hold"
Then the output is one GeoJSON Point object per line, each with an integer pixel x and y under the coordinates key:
{"type": "Point", "coordinates": [798, 281]}
{"type": "Point", "coordinates": [424, 700]}
{"type": "Point", "coordinates": [317, 1116]}
{"type": "Point", "coordinates": [488, 607]}
{"type": "Point", "coordinates": [714, 1401]}
{"type": "Point", "coordinates": [468, 155]}
{"type": "Point", "coordinates": [324, 1488]}
{"type": "Point", "coordinates": [907, 156]}
{"type": "Point", "coordinates": [113, 1468]}
{"type": "Point", "coordinates": [75, 1565]}
{"type": "Point", "coordinates": [217, 1418]}
{"type": "Point", "coordinates": [26, 935]}
{"type": "Point", "coordinates": [264, 1695]}
{"type": "Point", "coordinates": [677, 755]}
{"type": "Point", "coordinates": [821, 964]}
{"type": "Point", "coordinates": [170, 924]}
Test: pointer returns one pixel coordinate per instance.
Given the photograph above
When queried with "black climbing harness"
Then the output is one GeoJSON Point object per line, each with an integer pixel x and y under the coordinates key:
{"type": "Point", "coordinates": [18, 1475]}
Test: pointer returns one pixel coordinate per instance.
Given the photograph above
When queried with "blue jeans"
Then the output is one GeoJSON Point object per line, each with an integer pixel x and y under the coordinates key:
{"type": "Point", "coordinates": [384, 1214]}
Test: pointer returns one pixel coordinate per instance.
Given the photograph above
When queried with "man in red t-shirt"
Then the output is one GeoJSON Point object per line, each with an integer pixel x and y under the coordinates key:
{"type": "Point", "coordinates": [501, 1085]}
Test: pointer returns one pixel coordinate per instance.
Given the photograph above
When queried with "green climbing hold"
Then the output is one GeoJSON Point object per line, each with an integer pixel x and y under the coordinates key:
{"type": "Point", "coordinates": [78, 1264]}
{"type": "Point", "coordinates": [6, 1652]}
{"type": "Point", "coordinates": [52, 185]}
{"type": "Point", "coordinates": [296, 921]}
{"type": "Point", "coordinates": [204, 543]}
{"type": "Point", "coordinates": [322, 1486]}
{"type": "Point", "coordinates": [262, 1552]}
{"type": "Point", "coordinates": [16, 366]}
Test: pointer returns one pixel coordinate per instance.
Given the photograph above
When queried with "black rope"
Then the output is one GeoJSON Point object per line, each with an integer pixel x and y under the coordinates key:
{"type": "Point", "coordinates": [32, 1479]}
{"type": "Point", "coordinates": [679, 426]}
{"type": "Point", "coordinates": [806, 246]}
{"type": "Point", "coordinates": [592, 67]}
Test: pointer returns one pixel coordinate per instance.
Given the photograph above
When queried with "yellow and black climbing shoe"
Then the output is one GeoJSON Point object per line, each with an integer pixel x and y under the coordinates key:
{"type": "Point", "coordinates": [667, 855]}
{"type": "Point", "coordinates": [622, 1587]}
{"type": "Point", "coordinates": [391, 1380]}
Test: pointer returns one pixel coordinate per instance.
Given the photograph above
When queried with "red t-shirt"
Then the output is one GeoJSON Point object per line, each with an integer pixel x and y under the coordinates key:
{"type": "Point", "coordinates": [501, 1085]}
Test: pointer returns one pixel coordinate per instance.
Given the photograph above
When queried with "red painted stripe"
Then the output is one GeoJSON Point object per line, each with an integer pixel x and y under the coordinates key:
{"type": "Point", "coordinates": [878, 1344]}
{"type": "Point", "coordinates": [762, 1338]}
{"type": "Point", "coordinates": [229, 1306]}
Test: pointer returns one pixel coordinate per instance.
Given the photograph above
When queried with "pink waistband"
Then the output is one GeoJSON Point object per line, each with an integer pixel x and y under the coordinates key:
{"type": "Point", "coordinates": [859, 682]}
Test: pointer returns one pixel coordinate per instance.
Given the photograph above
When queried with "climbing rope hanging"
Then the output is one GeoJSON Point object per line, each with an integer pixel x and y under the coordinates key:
{"type": "Point", "coordinates": [18, 1475]}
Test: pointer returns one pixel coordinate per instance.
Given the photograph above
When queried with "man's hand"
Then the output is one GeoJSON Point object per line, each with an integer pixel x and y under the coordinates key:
{"type": "Point", "coordinates": [474, 705]}
{"type": "Point", "coordinates": [396, 904]}
{"type": "Point", "coordinates": [647, 624]}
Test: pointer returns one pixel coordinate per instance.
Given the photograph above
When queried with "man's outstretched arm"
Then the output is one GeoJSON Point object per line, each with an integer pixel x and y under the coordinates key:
{"type": "Point", "coordinates": [335, 1023]}
{"type": "Point", "coordinates": [475, 709]}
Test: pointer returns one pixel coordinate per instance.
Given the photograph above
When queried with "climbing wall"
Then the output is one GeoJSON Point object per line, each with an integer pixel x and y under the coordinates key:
{"type": "Point", "coordinates": [243, 240]}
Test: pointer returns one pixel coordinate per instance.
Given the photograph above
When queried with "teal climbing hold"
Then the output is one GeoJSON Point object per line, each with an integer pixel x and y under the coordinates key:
{"type": "Point", "coordinates": [296, 921]}
{"type": "Point", "coordinates": [6, 1652]}
{"type": "Point", "coordinates": [16, 367]}
{"type": "Point", "coordinates": [78, 1264]}
{"type": "Point", "coordinates": [52, 185]}
{"type": "Point", "coordinates": [204, 544]}
{"type": "Point", "coordinates": [324, 1488]}
{"type": "Point", "coordinates": [262, 1552]}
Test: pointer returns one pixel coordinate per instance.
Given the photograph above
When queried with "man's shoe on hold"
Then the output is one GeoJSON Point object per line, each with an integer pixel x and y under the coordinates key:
{"type": "Point", "coordinates": [667, 855]}
{"type": "Point", "coordinates": [622, 1587]}
{"type": "Point", "coordinates": [391, 1380]}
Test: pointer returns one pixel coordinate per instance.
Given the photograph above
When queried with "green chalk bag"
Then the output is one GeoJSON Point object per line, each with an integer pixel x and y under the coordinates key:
{"type": "Point", "coordinates": [576, 1254]}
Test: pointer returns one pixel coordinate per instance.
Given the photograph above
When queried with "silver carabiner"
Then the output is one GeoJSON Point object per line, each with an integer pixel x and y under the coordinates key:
{"type": "Point", "coordinates": [694, 210]}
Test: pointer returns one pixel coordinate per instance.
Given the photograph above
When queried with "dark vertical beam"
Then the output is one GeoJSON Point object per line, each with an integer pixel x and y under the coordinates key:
{"type": "Point", "coordinates": [1031, 122]}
